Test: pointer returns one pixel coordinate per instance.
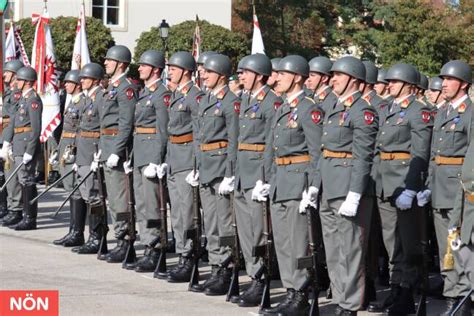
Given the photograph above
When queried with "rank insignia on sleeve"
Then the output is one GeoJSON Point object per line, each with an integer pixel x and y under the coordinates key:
{"type": "Point", "coordinates": [34, 105]}
{"type": "Point", "coordinates": [369, 117]}
{"type": "Point", "coordinates": [198, 99]}
{"type": "Point", "coordinates": [237, 107]}
{"type": "Point", "coordinates": [276, 105]}
{"type": "Point", "coordinates": [129, 93]}
{"type": "Point", "coordinates": [316, 116]}
{"type": "Point", "coordinates": [425, 116]}
{"type": "Point", "coordinates": [166, 100]}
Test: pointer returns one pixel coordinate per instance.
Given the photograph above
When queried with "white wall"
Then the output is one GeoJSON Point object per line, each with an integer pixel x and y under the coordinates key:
{"type": "Point", "coordinates": [140, 15]}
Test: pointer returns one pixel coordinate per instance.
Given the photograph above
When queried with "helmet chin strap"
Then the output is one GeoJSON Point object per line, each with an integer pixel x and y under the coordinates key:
{"type": "Point", "coordinates": [345, 87]}
{"type": "Point", "coordinates": [317, 86]}
{"type": "Point", "coordinates": [400, 90]}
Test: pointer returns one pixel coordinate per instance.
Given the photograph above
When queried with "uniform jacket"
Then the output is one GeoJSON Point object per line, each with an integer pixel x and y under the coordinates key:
{"type": "Point", "coordinates": [71, 122]}
{"type": "Point", "coordinates": [10, 102]}
{"type": "Point", "coordinates": [151, 111]}
{"type": "Point", "coordinates": [255, 125]}
{"type": "Point", "coordinates": [218, 121]}
{"type": "Point", "coordinates": [349, 127]}
{"type": "Point", "coordinates": [89, 122]}
{"type": "Point", "coordinates": [405, 128]}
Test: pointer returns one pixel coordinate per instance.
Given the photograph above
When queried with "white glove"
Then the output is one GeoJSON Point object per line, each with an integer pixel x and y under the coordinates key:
{"type": "Point", "coordinates": [97, 155]}
{"type": "Point", "coordinates": [193, 178]}
{"type": "Point", "coordinates": [349, 206]}
{"type": "Point", "coordinates": [308, 198]}
{"type": "Point", "coordinates": [150, 171]}
{"type": "Point", "coordinates": [27, 158]}
{"type": "Point", "coordinates": [53, 159]}
{"type": "Point", "coordinates": [456, 243]}
{"type": "Point", "coordinates": [260, 191]}
{"type": "Point", "coordinates": [226, 186]}
{"type": "Point", "coordinates": [161, 170]}
{"type": "Point", "coordinates": [6, 148]}
{"type": "Point", "coordinates": [423, 197]}
{"type": "Point", "coordinates": [405, 200]}
{"type": "Point", "coordinates": [68, 156]}
{"type": "Point", "coordinates": [112, 161]}
{"type": "Point", "coordinates": [94, 166]}
{"type": "Point", "coordinates": [75, 167]}
{"type": "Point", "coordinates": [127, 166]}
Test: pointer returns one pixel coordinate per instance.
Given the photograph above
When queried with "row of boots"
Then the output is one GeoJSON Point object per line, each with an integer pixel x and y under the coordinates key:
{"type": "Point", "coordinates": [20, 220]}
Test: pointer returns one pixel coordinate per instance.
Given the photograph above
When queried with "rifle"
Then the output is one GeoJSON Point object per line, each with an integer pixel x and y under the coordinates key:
{"type": "Point", "coordinates": [265, 251]}
{"type": "Point", "coordinates": [160, 271]}
{"type": "Point", "coordinates": [130, 256]}
{"type": "Point", "coordinates": [12, 175]}
{"type": "Point", "coordinates": [72, 192]}
{"type": "Point", "coordinates": [51, 186]}
{"type": "Point", "coordinates": [311, 262]}
{"type": "Point", "coordinates": [103, 227]}
{"type": "Point", "coordinates": [195, 234]}
{"type": "Point", "coordinates": [421, 310]}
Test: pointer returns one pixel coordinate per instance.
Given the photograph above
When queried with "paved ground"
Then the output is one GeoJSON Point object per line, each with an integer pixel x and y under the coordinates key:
{"type": "Point", "coordinates": [87, 286]}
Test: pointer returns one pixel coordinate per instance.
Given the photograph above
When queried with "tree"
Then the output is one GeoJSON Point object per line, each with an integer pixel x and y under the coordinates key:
{"type": "Point", "coordinates": [63, 30]}
{"type": "Point", "coordinates": [214, 37]}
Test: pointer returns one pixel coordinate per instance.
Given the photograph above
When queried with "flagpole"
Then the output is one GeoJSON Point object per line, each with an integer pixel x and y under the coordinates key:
{"type": "Point", "coordinates": [46, 165]}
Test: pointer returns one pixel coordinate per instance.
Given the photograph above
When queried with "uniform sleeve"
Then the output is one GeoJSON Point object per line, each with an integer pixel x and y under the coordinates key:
{"type": "Point", "coordinates": [232, 125]}
{"type": "Point", "coordinates": [35, 109]}
{"type": "Point", "coordinates": [269, 117]}
{"type": "Point", "coordinates": [421, 126]}
{"type": "Point", "coordinates": [8, 132]}
{"type": "Point", "coordinates": [365, 127]}
{"type": "Point", "coordinates": [162, 119]}
{"type": "Point", "coordinates": [198, 98]}
{"type": "Point", "coordinates": [312, 123]}
{"type": "Point", "coordinates": [126, 100]}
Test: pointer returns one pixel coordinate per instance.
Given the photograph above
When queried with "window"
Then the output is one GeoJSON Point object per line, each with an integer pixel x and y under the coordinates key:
{"type": "Point", "coordinates": [12, 11]}
{"type": "Point", "coordinates": [109, 11]}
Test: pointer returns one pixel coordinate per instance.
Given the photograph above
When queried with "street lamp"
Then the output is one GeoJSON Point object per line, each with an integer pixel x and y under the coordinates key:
{"type": "Point", "coordinates": [164, 29]}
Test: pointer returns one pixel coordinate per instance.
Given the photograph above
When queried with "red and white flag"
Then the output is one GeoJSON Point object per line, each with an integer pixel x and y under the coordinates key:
{"type": "Point", "coordinates": [47, 85]}
{"type": "Point", "coordinates": [81, 55]}
{"type": "Point", "coordinates": [197, 40]}
{"type": "Point", "coordinates": [257, 40]}
{"type": "Point", "coordinates": [14, 48]}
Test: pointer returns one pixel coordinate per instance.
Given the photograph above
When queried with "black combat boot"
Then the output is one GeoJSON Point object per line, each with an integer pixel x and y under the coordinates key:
{"type": "Point", "coordinates": [179, 266]}
{"type": "Point", "coordinates": [221, 286]}
{"type": "Point", "coordinates": [253, 295]}
{"type": "Point", "coordinates": [79, 212]}
{"type": "Point", "coordinates": [299, 305]}
{"type": "Point", "coordinates": [184, 273]}
{"type": "Point", "coordinates": [148, 262]}
{"type": "Point", "coordinates": [290, 294]}
{"type": "Point", "coordinates": [389, 300]}
{"type": "Point", "coordinates": [370, 293]}
{"type": "Point", "coordinates": [29, 211]}
{"type": "Point", "coordinates": [53, 176]}
{"type": "Point", "coordinates": [118, 254]}
{"type": "Point", "coordinates": [61, 240]}
{"type": "Point", "coordinates": [404, 304]}
{"type": "Point", "coordinates": [13, 218]}
{"type": "Point", "coordinates": [452, 303]}
{"type": "Point", "coordinates": [3, 199]}
{"type": "Point", "coordinates": [93, 242]}
{"type": "Point", "coordinates": [214, 277]}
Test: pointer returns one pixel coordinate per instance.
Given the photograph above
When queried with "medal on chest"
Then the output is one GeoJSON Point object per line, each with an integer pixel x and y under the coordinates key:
{"type": "Point", "coordinates": [400, 118]}
{"type": "Point", "coordinates": [217, 111]}
{"type": "Point", "coordinates": [112, 93]}
{"type": "Point", "coordinates": [342, 117]}
{"type": "Point", "coordinates": [292, 117]}
{"type": "Point", "coordinates": [255, 108]}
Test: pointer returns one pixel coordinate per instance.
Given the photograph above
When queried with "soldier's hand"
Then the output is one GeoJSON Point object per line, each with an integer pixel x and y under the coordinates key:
{"type": "Point", "coordinates": [127, 166]}
{"type": "Point", "coordinates": [27, 158]}
{"type": "Point", "coordinates": [6, 148]}
{"type": "Point", "coordinates": [308, 198]}
{"type": "Point", "coordinates": [423, 197]}
{"type": "Point", "coordinates": [75, 167]}
{"type": "Point", "coordinates": [112, 161]}
{"type": "Point", "coordinates": [350, 205]}
{"type": "Point", "coordinates": [226, 186]}
{"type": "Point", "coordinates": [97, 155]}
{"type": "Point", "coordinates": [94, 166]}
{"type": "Point", "coordinates": [161, 170]}
{"type": "Point", "coordinates": [260, 191]}
{"type": "Point", "coordinates": [193, 178]}
{"type": "Point", "coordinates": [150, 171]}
{"type": "Point", "coordinates": [53, 159]}
{"type": "Point", "coordinates": [405, 200]}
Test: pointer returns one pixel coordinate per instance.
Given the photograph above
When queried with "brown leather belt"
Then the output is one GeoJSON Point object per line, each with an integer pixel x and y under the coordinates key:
{"type": "Point", "coordinates": [24, 129]}
{"type": "Point", "coordinates": [336, 154]}
{"type": "Point", "coordinates": [251, 147]}
{"type": "Point", "coordinates": [109, 131]}
{"type": "Point", "coordinates": [292, 160]}
{"type": "Point", "coordinates": [469, 197]}
{"type": "Point", "coordinates": [145, 130]}
{"type": "Point", "coordinates": [87, 134]}
{"type": "Point", "coordinates": [68, 135]}
{"type": "Point", "coordinates": [181, 139]}
{"type": "Point", "coordinates": [394, 156]}
{"type": "Point", "coordinates": [214, 146]}
{"type": "Point", "coordinates": [441, 160]}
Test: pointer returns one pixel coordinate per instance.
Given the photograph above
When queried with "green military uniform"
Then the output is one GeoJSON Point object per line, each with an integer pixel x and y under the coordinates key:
{"type": "Point", "coordinates": [348, 140]}
{"type": "Point", "coordinates": [324, 94]}
{"type": "Point", "coordinates": [451, 137]}
{"type": "Point", "coordinates": [149, 146]}
{"type": "Point", "coordinates": [116, 109]}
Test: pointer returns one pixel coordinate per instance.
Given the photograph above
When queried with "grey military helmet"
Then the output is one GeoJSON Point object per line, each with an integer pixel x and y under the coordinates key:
{"type": "Point", "coordinates": [220, 64]}
{"type": "Point", "coordinates": [258, 63]}
{"type": "Point", "coordinates": [382, 73]}
{"type": "Point", "coordinates": [294, 64]}
{"type": "Point", "coordinates": [239, 65]}
{"type": "Point", "coordinates": [371, 72]}
{"type": "Point", "coordinates": [119, 53]}
{"type": "Point", "coordinates": [72, 76]}
{"type": "Point", "coordinates": [204, 56]}
{"type": "Point", "coordinates": [184, 60]}
{"type": "Point", "coordinates": [152, 58]}
{"type": "Point", "coordinates": [350, 66]}
{"type": "Point", "coordinates": [92, 70]}
{"type": "Point", "coordinates": [457, 69]}
{"type": "Point", "coordinates": [275, 62]}
{"type": "Point", "coordinates": [436, 84]}
{"type": "Point", "coordinates": [13, 66]}
{"type": "Point", "coordinates": [320, 65]}
{"type": "Point", "coordinates": [27, 74]}
{"type": "Point", "coordinates": [423, 83]}
{"type": "Point", "coordinates": [403, 72]}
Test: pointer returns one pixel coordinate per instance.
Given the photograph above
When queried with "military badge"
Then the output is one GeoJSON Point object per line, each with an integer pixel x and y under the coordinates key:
{"type": "Point", "coordinates": [253, 115]}
{"type": "Point", "coordinates": [17, 95]}
{"type": "Point", "coordinates": [294, 103]}
{"type": "Point", "coordinates": [112, 93]}
{"type": "Point", "coordinates": [237, 107]}
{"type": "Point", "coordinates": [180, 106]}
{"type": "Point", "coordinates": [322, 95]}
{"type": "Point", "coordinates": [462, 108]}
{"type": "Point", "coordinates": [185, 90]}
{"type": "Point", "coordinates": [456, 119]}
{"type": "Point", "coordinates": [342, 118]}
{"type": "Point", "coordinates": [349, 101]}
{"type": "Point", "coordinates": [369, 117]}
{"type": "Point", "coordinates": [198, 99]}
{"type": "Point", "coordinates": [276, 105]}
{"type": "Point", "coordinates": [261, 96]}
{"type": "Point", "coordinates": [217, 112]}
{"type": "Point", "coordinates": [316, 116]}
{"type": "Point", "coordinates": [166, 100]}
{"type": "Point", "coordinates": [425, 116]}
{"type": "Point", "coordinates": [129, 93]}
{"type": "Point", "coordinates": [220, 94]}
{"type": "Point", "coordinates": [405, 104]}
{"type": "Point", "coordinates": [453, 126]}
{"type": "Point", "coordinates": [34, 105]}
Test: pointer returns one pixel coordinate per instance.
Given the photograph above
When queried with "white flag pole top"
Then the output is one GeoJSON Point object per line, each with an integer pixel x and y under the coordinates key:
{"type": "Point", "coordinates": [257, 40]}
{"type": "Point", "coordinates": [47, 85]}
{"type": "Point", "coordinates": [197, 40]}
{"type": "Point", "coordinates": [10, 47]}
{"type": "Point", "coordinates": [81, 56]}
